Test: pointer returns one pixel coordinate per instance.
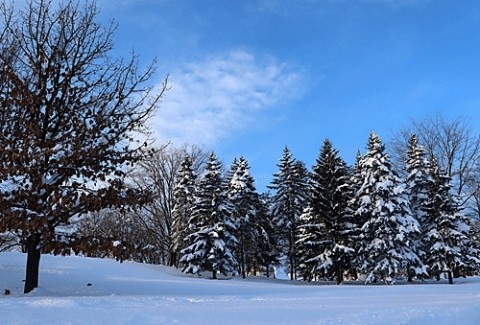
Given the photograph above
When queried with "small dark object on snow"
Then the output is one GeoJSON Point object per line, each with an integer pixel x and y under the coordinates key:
{"type": "Point", "coordinates": [7, 292]}
{"type": "Point", "coordinates": [89, 284]}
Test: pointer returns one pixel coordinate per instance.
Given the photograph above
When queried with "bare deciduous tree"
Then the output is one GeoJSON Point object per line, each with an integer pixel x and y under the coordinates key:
{"type": "Point", "coordinates": [69, 111]}
{"type": "Point", "coordinates": [158, 175]}
{"type": "Point", "coordinates": [456, 149]}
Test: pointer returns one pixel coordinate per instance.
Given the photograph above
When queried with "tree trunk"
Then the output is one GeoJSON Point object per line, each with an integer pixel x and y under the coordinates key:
{"type": "Point", "coordinates": [33, 262]}
{"type": "Point", "coordinates": [410, 275]}
{"type": "Point", "coordinates": [450, 277]}
{"type": "Point", "coordinates": [242, 254]}
{"type": "Point", "coordinates": [214, 274]}
{"type": "Point", "coordinates": [291, 249]}
{"type": "Point", "coordinates": [173, 259]}
{"type": "Point", "coordinates": [339, 274]}
{"type": "Point", "coordinates": [456, 271]}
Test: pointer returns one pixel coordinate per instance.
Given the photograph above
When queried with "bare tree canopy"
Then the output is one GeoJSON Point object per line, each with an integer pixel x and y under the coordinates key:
{"type": "Point", "coordinates": [158, 174]}
{"type": "Point", "coordinates": [455, 147]}
{"type": "Point", "coordinates": [69, 112]}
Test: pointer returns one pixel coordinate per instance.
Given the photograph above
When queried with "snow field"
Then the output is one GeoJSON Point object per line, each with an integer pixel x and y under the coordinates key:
{"type": "Point", "coordinates": [132, 293]}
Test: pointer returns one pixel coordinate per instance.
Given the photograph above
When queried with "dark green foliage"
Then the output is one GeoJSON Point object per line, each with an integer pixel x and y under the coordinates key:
{"type": "Point", "coordinates": [290, 186]}
{"type": "Point", "coordinates": [325, 246]}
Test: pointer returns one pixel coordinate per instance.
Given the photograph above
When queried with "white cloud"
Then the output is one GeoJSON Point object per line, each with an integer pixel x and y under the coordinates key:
{"type": "Point", "coordinates": [210, 100]}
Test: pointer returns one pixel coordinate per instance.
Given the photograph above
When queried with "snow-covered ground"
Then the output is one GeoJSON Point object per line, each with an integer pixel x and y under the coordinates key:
{"type": "Point", "coordinates": [131, 293]}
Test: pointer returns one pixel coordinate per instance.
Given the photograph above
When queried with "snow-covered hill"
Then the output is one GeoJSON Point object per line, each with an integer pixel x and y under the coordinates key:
{"type": "Point", "coordinates": [76, 290]}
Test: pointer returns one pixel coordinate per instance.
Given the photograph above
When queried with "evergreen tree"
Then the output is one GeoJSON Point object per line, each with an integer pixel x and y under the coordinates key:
{"type": "Point", "coordinates": [211, 238]}
{"type": "Point", "coordinates": [446, 238]}
{"type": "Point", "coordinates": [242, 194]}
{"type": "Point", "coordinates": [308, 242]}
{"type": "Point", "coordinates": [358, 220]}
{"type": "Point", "coordinates": [326, 228]}
{"type": "Point", "coordinates": [418, 178]}
{"type": "Point", "coordinates": [183, 197]}
{"type": "Point", "coordinates": [267, 253]}
{"type": "Point", "coordinates": [386, 246]}
{"type": "Point", "coordinates": [418, 181]}
{"type": "Point", "coordinates": [290, 186]}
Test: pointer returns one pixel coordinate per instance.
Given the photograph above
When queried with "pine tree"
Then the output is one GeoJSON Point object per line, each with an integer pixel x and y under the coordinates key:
{"type": "Point", "coordinates": [242, 194]}
{"type": "Point", "coordinates": [446, 238]}
{"type": "Point", "coordinates": [211, 238]}
{"type": "Point", "coordinates": [324, 233]}
{"type": "Point", "coordinates": [386, 245]}
{"type": "Point", "coordinates": [290, 186]}
{"type": "Point", "coordinates": [183, 197]}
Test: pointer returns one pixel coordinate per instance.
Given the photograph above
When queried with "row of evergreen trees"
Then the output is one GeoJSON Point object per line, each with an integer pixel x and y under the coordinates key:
{"type": "Point", "coordinates": [334, 221]}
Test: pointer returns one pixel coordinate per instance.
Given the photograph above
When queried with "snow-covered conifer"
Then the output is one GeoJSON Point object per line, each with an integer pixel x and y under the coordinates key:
{"type": "Point", "coordinates": [418, 178]}
{"type": "Point", "coordinates": [385, 242]}
{"type": "Point", "coordinates": [290, 187]}
{"type": "Point", "coordinates": [211, 239]}
{"type": "Point", "coordinates": [267, 253]}
{"type": "Point", "coordinates": [325, 226]}
{"type": "Point", "coordinates": [243, 195]}
{"type": "Point", "coordinates": [183, 197]}
{"type": "Point", "coordinates": [446, 238]}
{"type": "Point", "coordinates": [418, 181]}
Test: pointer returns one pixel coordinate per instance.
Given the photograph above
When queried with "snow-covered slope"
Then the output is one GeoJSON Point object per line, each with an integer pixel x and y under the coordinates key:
{"type": "Point", "coordinates": [131, 293]}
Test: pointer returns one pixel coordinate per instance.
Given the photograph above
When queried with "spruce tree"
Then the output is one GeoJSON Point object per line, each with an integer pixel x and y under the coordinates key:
{"type": "Point", "coordinates": [242, 194]}
{"type": "Point", "coordinates": [308, 242]}
{"type": "Point", "coordinates": [418, 178]}
{"type": "Point", "coordinates": [183, 197]}
{"type": "Point", "coordinates": [211, 238]}
{"type": "Point", "coordinates": [289, 184]}
{"type": "Point", "coordinates": [358, 220]}
{"type": "Point", "coordinates": [386, 244]}
{"type": "Point", "coordinates": [446, 238]}
{"type": "Point", "coordinates": [332, 175]}
{"type": "Point", "coordinates": [267, 253]}
{"type": "Point", "coordinates": [418, 181]}
{"type": "Point", "coordinates": [325, 226]}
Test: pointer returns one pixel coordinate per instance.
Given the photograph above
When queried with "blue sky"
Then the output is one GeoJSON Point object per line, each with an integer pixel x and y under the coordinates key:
{"type": "Point", "coordinates": [249, 77]}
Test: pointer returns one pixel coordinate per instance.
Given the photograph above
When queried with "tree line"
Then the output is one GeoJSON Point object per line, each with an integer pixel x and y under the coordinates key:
{"type": "Point", "coordinates": [371, 220]}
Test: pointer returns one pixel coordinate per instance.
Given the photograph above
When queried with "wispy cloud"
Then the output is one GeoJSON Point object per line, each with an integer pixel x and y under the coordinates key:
{"type": "Point", "coordinates": [211, 99]}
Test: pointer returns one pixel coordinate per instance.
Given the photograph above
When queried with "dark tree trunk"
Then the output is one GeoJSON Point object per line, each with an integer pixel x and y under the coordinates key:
{"type": "Point", "coordinates": [410, 275]}
{"type": "Point", "coordinates": [214, 274]}
{"type": "Point", "coordinates": [291, 249]}
{"type": "Point", "coordinates": [173, 259]}
{"type": "Point", "coordinates": [33, 262]}
{"type": "Point", "coordinates": [456, 271]}
{"type": "Point", "coordinates": [242, 254]}
{"type": "Point", "coordinates": [450, 277]}
{"type": "Point", "coordinates": [339, 275]}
